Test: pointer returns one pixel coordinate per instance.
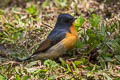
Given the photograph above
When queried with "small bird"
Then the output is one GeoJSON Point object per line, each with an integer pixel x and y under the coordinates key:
{"type": "Point", "coordinates": [64, 32]}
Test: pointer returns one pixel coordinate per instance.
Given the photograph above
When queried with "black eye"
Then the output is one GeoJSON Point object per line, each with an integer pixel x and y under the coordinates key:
{"type": "Point", "coordinates": [67, 21]}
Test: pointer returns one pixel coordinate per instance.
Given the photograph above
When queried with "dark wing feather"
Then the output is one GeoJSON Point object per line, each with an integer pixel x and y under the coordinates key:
{"type": "Point", "coordinates": [57, 35]}
{"type": "Point", "coordinates": [53, 38]}
{"type": "Point", "coordinates": [46, 44]}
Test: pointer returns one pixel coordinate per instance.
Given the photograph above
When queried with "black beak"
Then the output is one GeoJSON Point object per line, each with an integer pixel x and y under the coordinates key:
{"type": "Point", "coordinates": [74, 19]}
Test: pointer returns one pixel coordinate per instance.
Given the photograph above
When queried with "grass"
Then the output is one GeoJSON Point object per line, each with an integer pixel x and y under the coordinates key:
{"type": "Point", "coordinates": [95, 57]}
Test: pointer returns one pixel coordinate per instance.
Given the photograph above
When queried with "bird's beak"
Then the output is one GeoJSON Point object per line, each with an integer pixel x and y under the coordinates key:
{"type": "Point", "coordinates": [74, 19]}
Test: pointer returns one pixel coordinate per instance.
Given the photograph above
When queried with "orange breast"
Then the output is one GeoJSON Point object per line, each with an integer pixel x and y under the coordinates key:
{"type": "Point", "coordinates": [70, 38]}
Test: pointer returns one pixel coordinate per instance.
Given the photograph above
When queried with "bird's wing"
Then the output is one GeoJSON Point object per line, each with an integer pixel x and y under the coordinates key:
{"type": "Point", "coordinates": [56, 36]}
{"type": "Point", "coordinates": [46, 44]}
{"type": "Point", "coordinates": [53, 38]}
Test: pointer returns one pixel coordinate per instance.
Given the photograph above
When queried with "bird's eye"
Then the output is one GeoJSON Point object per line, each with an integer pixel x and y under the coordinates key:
{"type": "Point", "coordinates": [67, 21]}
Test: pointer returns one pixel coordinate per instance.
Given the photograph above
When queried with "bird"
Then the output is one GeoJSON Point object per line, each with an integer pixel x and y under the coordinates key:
{"type": "Point", "coordinates": [64, 31]}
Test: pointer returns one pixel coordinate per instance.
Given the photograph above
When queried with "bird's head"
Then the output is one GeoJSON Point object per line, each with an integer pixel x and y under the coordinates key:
{"type": "Point", "coordinates": [65, 19]}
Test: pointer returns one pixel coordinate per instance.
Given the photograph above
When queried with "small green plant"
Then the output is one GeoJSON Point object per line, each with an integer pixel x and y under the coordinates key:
{"type": "Point", "coordinates": [79, 22]}
{"type": "Point", "coordinates": [61, 3]}
{"type": "Point", "coordinates": [98, 38]}
{"type": "Point", "coordinates": [1, 12]}
{"type": "Point", "coordinates": [46, 3]}
{"type": "Point", "coordinates": [11, 34]}
{"type": "Point", "coordinates": [94, 20]}
{"type": "Point", "coordinates": [32, 10]}
{"type": "Point", "coordinates": [2, 77]}
{"type": "Point", "coordinates": [50, 63]}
